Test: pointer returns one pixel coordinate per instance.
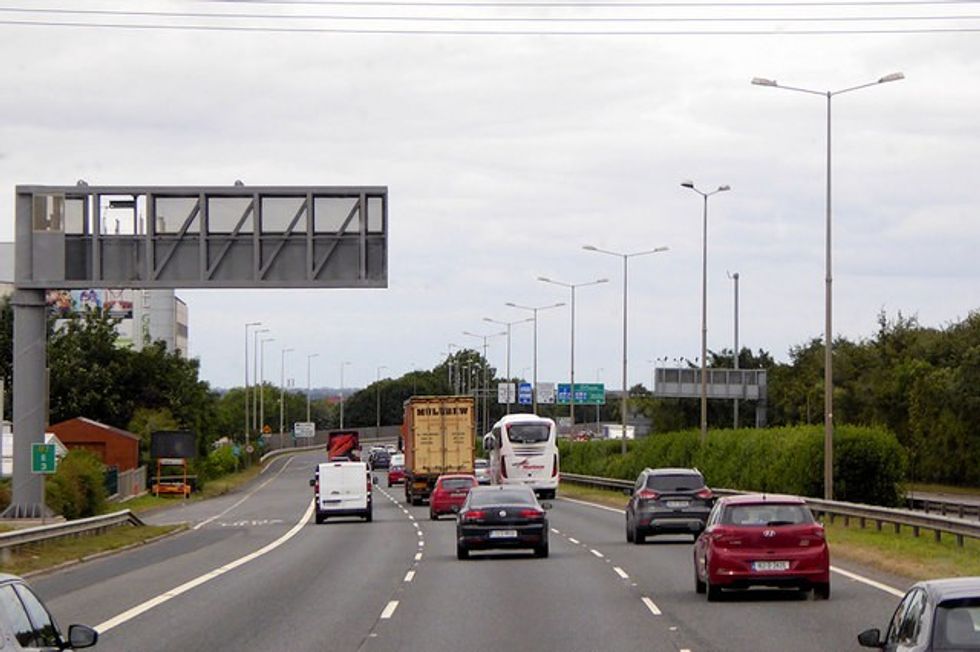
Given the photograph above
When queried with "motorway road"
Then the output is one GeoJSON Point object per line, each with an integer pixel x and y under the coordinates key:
{"type": "Point", "coordinates": [255, 573]}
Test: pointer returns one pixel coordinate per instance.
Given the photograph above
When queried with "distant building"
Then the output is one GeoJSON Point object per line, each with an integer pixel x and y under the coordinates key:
{"type": "Point", "coordinates": [113, 446]}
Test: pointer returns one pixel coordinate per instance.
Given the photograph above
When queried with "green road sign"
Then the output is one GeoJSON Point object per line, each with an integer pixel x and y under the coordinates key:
{"type": "Point", "coordinates": [42, 458]}
{"type": "Point", "coordinates": [591, 393]}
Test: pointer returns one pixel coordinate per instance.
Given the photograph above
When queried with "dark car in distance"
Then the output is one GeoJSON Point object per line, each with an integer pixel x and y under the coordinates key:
{"type": "Point", "coordinates": [501, 517]}
{"type": "Point", "coordinates": [380, 459]}
{"type": "Point", "coordinates": [933, 615]}
{"type": "Point", "coordinates": [667, 501]}
{"type": "Point", "coordinates": [27, 624]}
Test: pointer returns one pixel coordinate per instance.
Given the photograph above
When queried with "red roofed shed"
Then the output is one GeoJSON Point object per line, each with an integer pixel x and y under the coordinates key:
{"type": "Point", "coordinates": [115, 447]}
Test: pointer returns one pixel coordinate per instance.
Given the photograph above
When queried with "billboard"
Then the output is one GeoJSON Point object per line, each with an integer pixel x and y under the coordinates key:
{"type": "Point", "coordinates": [181, 444]}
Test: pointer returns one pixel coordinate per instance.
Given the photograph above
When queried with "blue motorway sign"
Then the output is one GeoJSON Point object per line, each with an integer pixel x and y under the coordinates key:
{"type": "Point", "coordinates": [592, 393]}
{"type": "Point", "coordinates": [524, 396]}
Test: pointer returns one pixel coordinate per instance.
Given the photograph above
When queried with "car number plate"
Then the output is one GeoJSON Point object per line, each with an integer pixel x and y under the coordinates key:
{"type": "Point", "coordinates": [674, 504]}
{"type": "Point", "coordinates": [770, 565]}
{"type": "Point", "coordinates": [503, 534]}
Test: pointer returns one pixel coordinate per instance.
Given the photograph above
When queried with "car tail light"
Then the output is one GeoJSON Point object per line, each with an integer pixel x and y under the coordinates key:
{"type": "Point", "coordinates": [369, 484]}
{"type": "Point", "coordinates": [474, 515]}
{"type": "Point", "coordinates": [648, 494]}
{"type": "Point", "coordinates": [814, 535]}
{"type": "Point", "coordinates": [705, 494]}
{"type": "Point", "coordinates": [531, 514]}
{"type": "Point", "coordinates": [725, 538]}
{"type": "Point", "coordinates": [503, 466]}
{"type": "Point", "coordinates": [554, 468]}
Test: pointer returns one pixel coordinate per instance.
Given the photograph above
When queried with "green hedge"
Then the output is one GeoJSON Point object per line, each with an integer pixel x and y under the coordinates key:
{"type": "Point", "coordinates": [869, 463]}
{"type": "Point", "coordinates": [77, 488]}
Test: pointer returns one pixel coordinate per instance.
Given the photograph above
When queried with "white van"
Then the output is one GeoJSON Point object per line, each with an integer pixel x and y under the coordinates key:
{"type": "Point", "coordinates": [342, 489]}
{"type": "Point", "coordinates": [523, 450]}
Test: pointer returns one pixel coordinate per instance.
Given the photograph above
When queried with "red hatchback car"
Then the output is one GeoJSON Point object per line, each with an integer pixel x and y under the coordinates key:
{"type": "Point", "coordinates": [761, 540]}
{"type": "Point", "coordinates": [449, 494]}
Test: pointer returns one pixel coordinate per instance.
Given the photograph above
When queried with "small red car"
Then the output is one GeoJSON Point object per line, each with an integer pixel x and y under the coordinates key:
{"type": "Point", "coordinates": [449, 494]}
{"type": "Point", "coordinates": [761, 540]}
{"type": "Point", "coordinates": [396, 474]}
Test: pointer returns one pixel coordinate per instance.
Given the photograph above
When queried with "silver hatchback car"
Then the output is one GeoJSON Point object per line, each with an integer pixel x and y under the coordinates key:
{"type": "Point", "coordinates": [26, 624]}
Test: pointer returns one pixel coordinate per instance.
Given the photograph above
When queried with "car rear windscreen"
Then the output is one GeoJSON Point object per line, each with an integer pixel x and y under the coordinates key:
{"type": "Point", "coordinates": [770, 514]}
{"type": "Point", "coordinates": [528, 433]}
{"type": "Point", "coordinates": [957, 625]}
{"type": "Point", "coordinates": [678, 482]}
{"type": "Point", "coordinates": [452, 484]}
{"type": "Point", "coordinates": [484, 498]}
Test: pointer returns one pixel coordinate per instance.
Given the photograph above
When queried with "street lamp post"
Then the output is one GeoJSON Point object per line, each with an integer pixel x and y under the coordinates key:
{"type": "Point", "coordinates": [377, 384]}
{"type": "Point", "coordinates": [534, 310]}
{"type": "Point", "coordinates": [486, 380]}
{"type": "Point", "coordinates": [828, 379]}
{"type": "Point", "coordinates": [308, 358]}
{"type": "Point", "coordinates": [342, 365]}
{"type": "Point", "coordinates": [572, 287]}
{"type": "Point", "coordinates": [255, 379]}
{"type": "Point", "coordinates": [265, 340]}
{"type": "Point", "coordinates": [734, 278]}
{"type": "Point", "coordinates": [247, 413]}
{"type": "Point", "coordinates": [508, 324]}
{"type": "Point", "coordinates": [282, 397]}
{"type": "Point", "coordinates": [598, 378]}
{"type": "Point", "coordinates": [625, 258]}
{"type": "Point", "coordinates": [704, 306]}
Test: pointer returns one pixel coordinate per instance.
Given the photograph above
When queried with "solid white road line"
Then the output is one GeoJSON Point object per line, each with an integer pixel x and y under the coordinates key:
{"type": "Point", "coordinates": [621, 572]}
{"type": "Point", "coordinates": [409, 576]}
{"type": "Point", "coordinates": [651, 606]}
{"type": "Point", "coordinates": [596, 553]}
{"type": "Point", "coordinates": [245, 497]}
{"type": "Point", "coordinates": [129, 614]}
{"type": "Point", "coordinates": [389, 610]}
{"type": "Point", "coordinates": [575, 541]}
{"type": "Point", "coordinates": [835, 569]}
{"type": "Point", "coordinates": [870, 582]}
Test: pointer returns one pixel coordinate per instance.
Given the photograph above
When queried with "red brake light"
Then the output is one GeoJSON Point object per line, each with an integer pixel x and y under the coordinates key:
{"type": "Point", "coordinates": [648, 494]}
{"type": "Point", "coordinates": [503, 466]}
{"type": "Point", "coordinates": [704, 494]}
{"type": "Point", "coordinates": [726, 538]}
{"type": "Point", "coordinates": [474, 515]}
{"type": "Point", "coordinates": [532, 514]}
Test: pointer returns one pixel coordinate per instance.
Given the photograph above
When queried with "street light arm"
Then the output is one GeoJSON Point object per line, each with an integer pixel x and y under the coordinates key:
{"type": "Point", "coordinates": [895, 76]}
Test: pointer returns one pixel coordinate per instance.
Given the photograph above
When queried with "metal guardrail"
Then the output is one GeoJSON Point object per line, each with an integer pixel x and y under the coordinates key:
{"type": "Point", "coordinates": [897, 518]}
{"type": "Point", "coordinates": [77, 527]}
{"type": "Point", "coordinates": [944, 507]}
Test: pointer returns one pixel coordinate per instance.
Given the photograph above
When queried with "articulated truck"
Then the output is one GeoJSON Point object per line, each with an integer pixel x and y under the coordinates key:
{"type": "Point", "coordinates": [438, 437]}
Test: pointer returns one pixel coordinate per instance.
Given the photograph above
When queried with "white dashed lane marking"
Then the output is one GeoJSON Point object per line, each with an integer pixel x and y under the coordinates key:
{"type": "Point", "coordinates": [575, 541]}
{"type": "Point", "coordinates": [389, 610]}
{"type": "Point", "coordinates": [621, 572]}
{"type": "Point", "coordinates": [596, 553]}
{"type": "Point", "coordinates": [418, 556]}
{"type": "Point", "coordinates": [409, 576]}
{"type": "Point", "coordinates": [654, 609]}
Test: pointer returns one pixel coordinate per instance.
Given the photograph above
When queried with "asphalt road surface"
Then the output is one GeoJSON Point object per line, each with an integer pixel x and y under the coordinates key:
{"type": "Point", "coordinates": [255, 573]}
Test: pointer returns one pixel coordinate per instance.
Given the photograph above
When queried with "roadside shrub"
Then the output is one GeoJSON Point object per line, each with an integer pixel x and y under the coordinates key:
{"type": "Point", "coordinates": [4, 494]}
{"type": "Point", "coordinates": [77, 488]}
{"type": "Point", "coordinates": [869, 463]}
{"type": "Point", "coordinates": [220, 461]}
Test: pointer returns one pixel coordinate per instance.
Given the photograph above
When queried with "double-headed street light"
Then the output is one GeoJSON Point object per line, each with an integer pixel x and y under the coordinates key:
{"type": "Point", "coordinates": [308, 358]}
{"type": "Point", "coordinates": [734, 277]}
{"type": "Point", "coordinates": [377, 383]}
{"type": "Point", "coordinates": [704, 306]}
{"type": "Point", "coordinates": [342, 365]}
{"type": "Point", "coordinates": [256, 390]}
{"type": "Point", "coordinates": [508, 324]}
{"type": "Point", "coordinates": [534, 310]}
{"type": "Point", "coordinates": [625, 258]}
{"type": "Point", "coordinates": [247, 413]}
{"type": "Point", "coordinates": [828, 380]}
{"type": "Point", "coordinates": [282, 396]}
{"type": "Point", "coordinates": [572, 287]}
{"type": "Point", "coordinates": [486, 380]}
{"type": "Point", "coordinates": [265, 340]}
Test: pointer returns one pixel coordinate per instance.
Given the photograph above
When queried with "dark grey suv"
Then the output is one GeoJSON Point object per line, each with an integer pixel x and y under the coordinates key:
{"type": "Point", "coordinates": [667, 501]}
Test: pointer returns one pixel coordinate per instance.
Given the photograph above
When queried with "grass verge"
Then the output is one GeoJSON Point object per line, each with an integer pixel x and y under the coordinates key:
{"type": "Point", "coordinates": [944, 489]}
{"type": "Point", "coordinates": [213, 488]}
{"type": "Point", "coordinates": [901, 554]}
{"type": "Point", "coordinates": [48, 555]}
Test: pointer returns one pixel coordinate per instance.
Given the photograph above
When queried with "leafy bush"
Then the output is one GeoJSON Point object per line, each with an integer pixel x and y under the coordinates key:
{"type": "Point", "coordinates": [869, 463]}
{"type": "Point", "coordinates": [4, 494]}
{"type": "Point", "coordinates": [77, 488]}
{"type": "Point", "coordinates": [220, 461]}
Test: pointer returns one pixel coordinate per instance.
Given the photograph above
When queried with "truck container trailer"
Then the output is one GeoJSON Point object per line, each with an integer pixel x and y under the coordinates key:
{"type": "Point", "coordinates": [439, 437]}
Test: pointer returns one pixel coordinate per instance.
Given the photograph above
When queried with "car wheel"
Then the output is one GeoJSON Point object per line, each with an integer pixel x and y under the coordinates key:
{"type": "Point", "coordinates": [461, 552]}
{"type": "Point", "coordinates": [699, 586]}
{"type": "Point", "coordinates": [714, 592]}
{"type": "Point", "coordinates": [433, 516]}
{"type": "Point", "coordinates": [320, 518]}
{"type": "Point", "coordinates": [629, 531]}
{"type": "Point", "coordinates": [821, 591]}
{"type": "Point", "coordinates": [369, 516]}
{"type": "Point", "coordinates": [638, 537]}
{"type": "Point", "coordinates": [541, 551]}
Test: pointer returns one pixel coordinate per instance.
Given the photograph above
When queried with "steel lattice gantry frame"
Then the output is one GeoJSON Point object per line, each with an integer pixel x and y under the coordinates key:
{"type": "Point", "coordinates": [147, 237]}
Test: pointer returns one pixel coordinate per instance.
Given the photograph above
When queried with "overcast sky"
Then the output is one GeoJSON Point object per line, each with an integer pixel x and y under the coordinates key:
{"type": "Point", "coordinates": [505, 154]}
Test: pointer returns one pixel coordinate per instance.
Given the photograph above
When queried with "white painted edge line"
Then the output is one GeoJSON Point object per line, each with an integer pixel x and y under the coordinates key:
{"type": "Point", "coordinates": [654, 609]}
{"type": "Point", "coordinates": [409, 576]}
{"type": "Point", "coordinates": [245, 497]}
{"type": "Point", "coordinates": [389, 610]}
{"type": "Point", "coordinates": [854, 576]}
{"type": "Point", "coordinates": [129, 614]}
{"type": "Point", "coordinates": [596, 553]}
{"type": "Point", "coordinates": [596, 505]}
{"type": "Point", "coordinates": [621, 572]}
{"type": "Point", "coordinates": [418, 556]}
{"type": "Point", "coordinates": [573, 540]}
{"type": "Point", "coordinates": [870, 582]}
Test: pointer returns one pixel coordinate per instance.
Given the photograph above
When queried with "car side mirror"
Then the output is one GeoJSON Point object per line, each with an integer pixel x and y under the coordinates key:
{"type": "Point", "coordinates": [312, 482]}
{"type": "Point", "coordinates": [546, 506]}
{"type": "Point", "coordinates": [80, 636]}
{"type": "Point", "coordinates": [871, 638]}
